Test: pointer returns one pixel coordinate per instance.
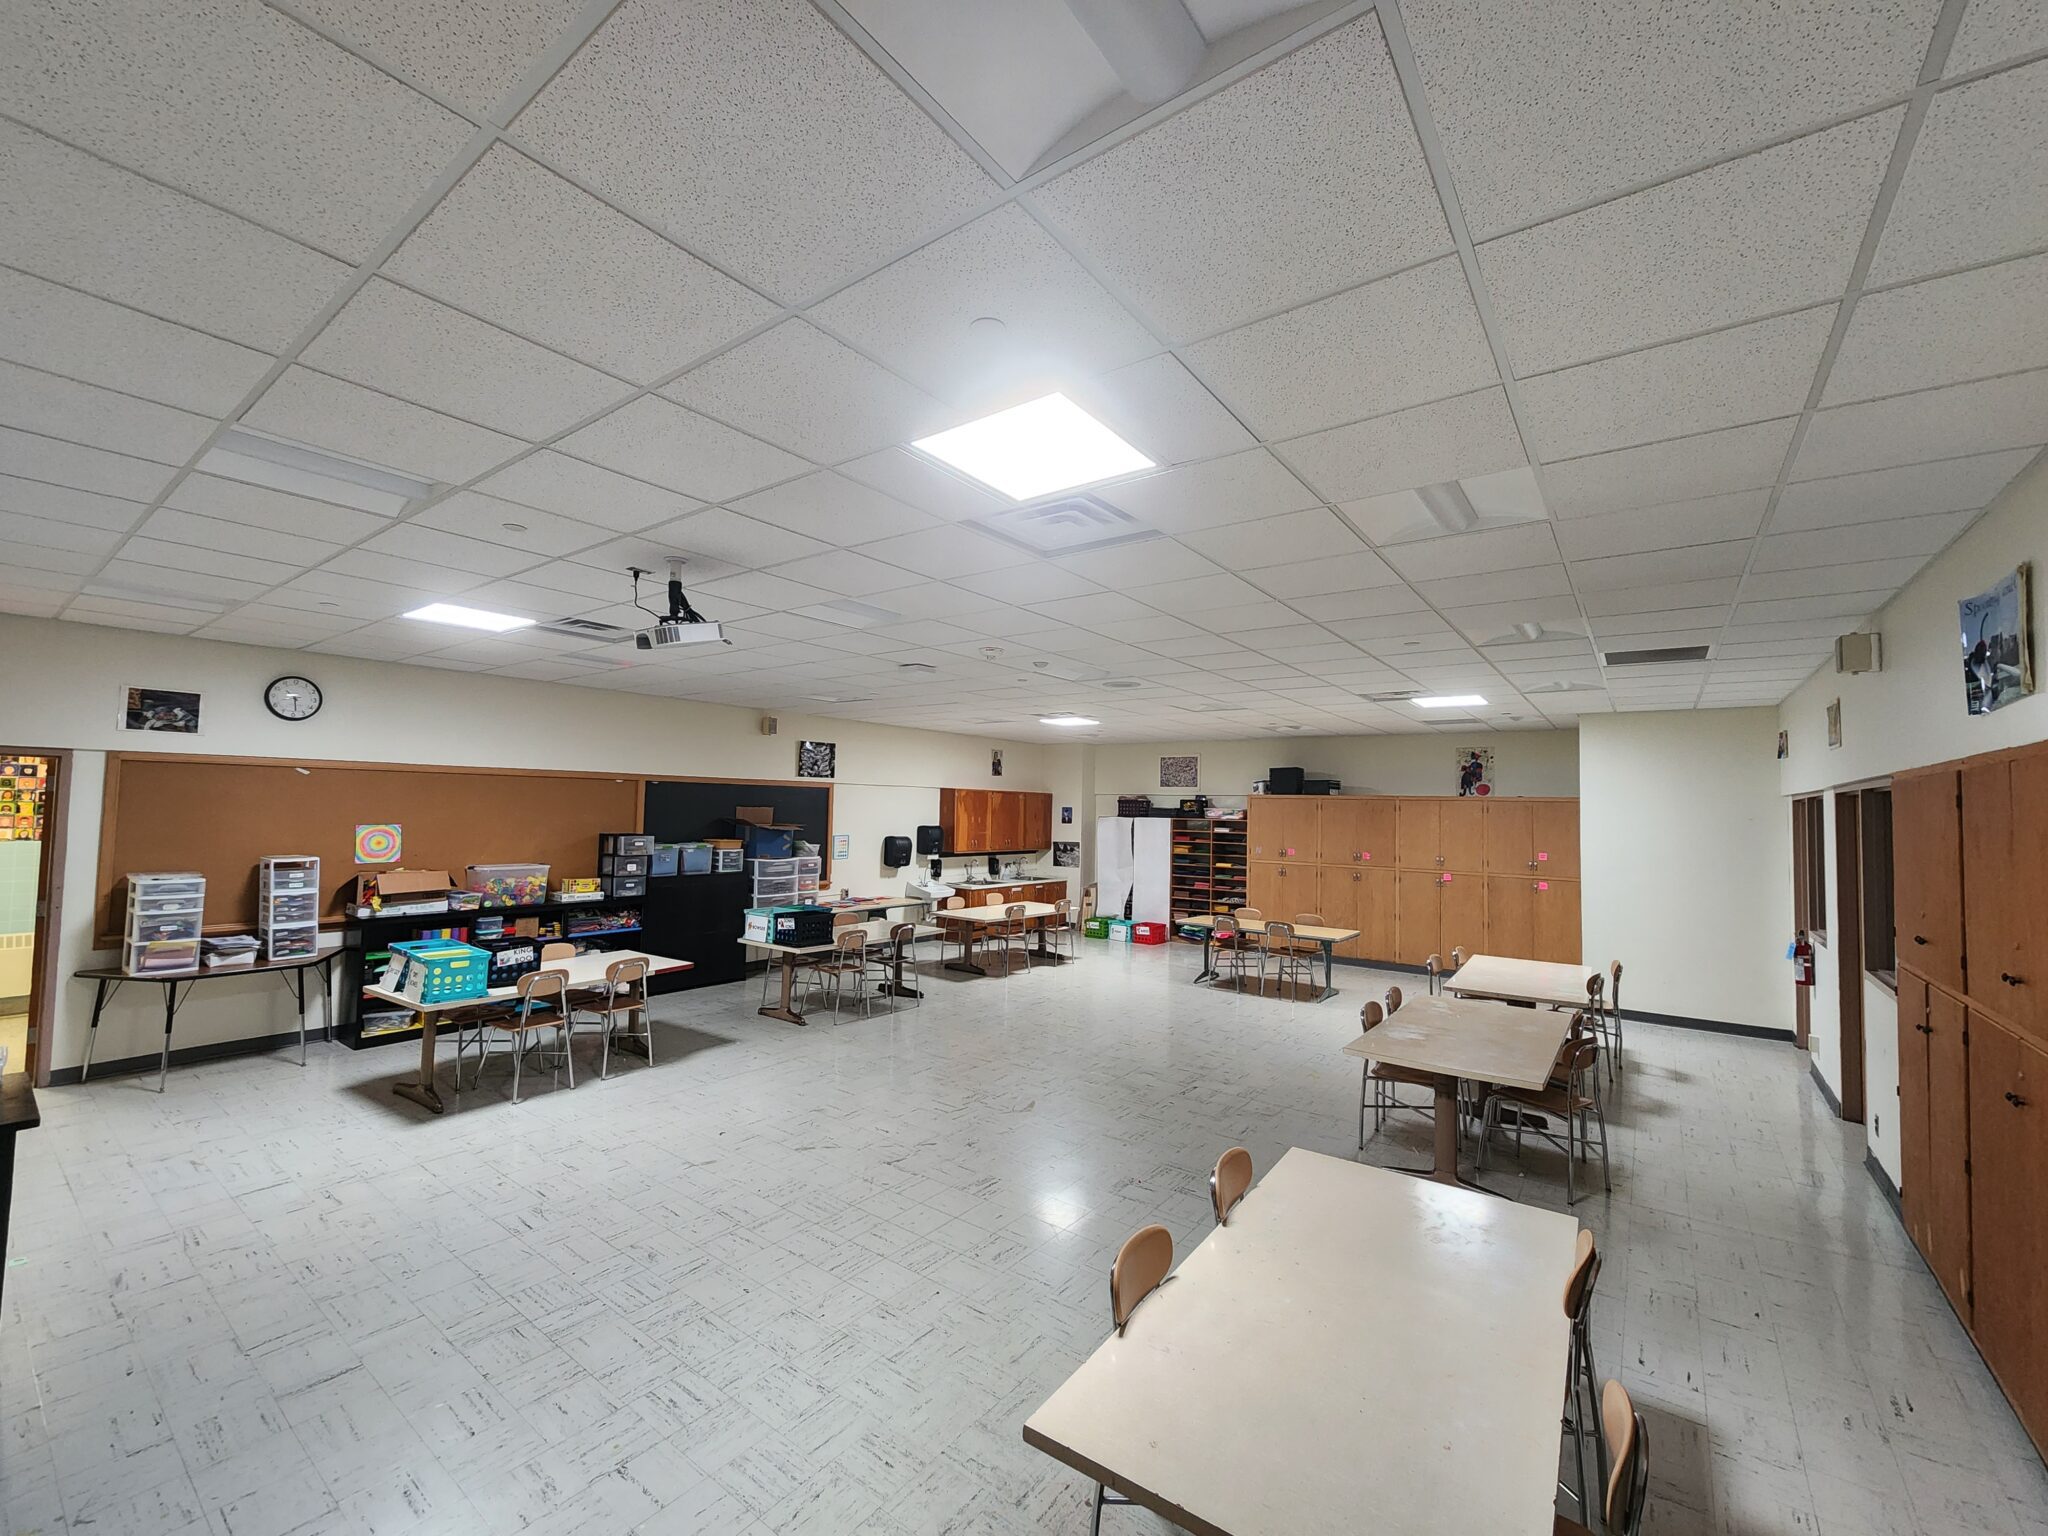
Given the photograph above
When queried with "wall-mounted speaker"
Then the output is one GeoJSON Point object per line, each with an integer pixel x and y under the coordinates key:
{"type": "Point", "coordinates": [931, 840]}
{"type": "Point", "coordinates": [770, 725]}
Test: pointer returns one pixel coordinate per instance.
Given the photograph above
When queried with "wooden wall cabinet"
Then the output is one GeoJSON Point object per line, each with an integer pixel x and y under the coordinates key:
{"type": "Point", "coordinates": [995, 821]}
{"type": "Point", "coordinates": [1927, 875]}
{"type": "Point", "coordinates": [1442, 834]}
{"type": "Point", "coordinates": [1283, 890]}
{"type": "Point", "coordinates": [1287, 828]}
{"type": "Point", "coordinates": [1362, 898]}
{"type": "Point", "coordinates": [1357, 829]}
{"type": "Point", "coordinates": [2005, 888]}
{"type": "Point", "coordinates": [2008, 1108]}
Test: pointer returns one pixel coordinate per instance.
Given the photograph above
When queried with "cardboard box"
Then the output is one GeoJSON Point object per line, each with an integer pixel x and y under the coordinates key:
{"type": "Point", "coordinates": [403, 892]}
{"type": "Point", "coordinates": [762, 837]}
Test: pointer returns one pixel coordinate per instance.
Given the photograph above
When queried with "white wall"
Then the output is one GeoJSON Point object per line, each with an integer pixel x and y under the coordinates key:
{"type": "Point", "coordinates": [1908, 715]}
{"type": "Point", "coordinates": [63, 687]}
{"type": "Point", "coordinates": [1686, 859]}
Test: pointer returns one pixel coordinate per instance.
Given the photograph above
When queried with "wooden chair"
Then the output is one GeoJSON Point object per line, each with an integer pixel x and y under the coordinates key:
{"type": "Point", "coordinates": [1013, 936]}
{"type": "Point", "coordinates": [1434, 965]}
{"type": "Point", "coordinates": [542, 1003]}
{"type": "Point", "coordinates": [962, 934]}
{"type": "Point", "coordinates": [1229, 1182]}
{"type": "Point", "coordinates": [1378, 1080]}
{"type": "Point", "coordinates": [1230, 952]}
{"type": "Point", "coordinates": [1576, 1103]}
{"type": "Point", "coordinates": [1288, 959]}
{"type": "Point", "coordinates": [1582, 1392]}
{"type": "Point", "coordinates": [1457, 959]}
{"type": "Point", "coordinates": [849, 957]}
{"type": "Point", "coordinates": [1393, 1000]}
{"type": "Point", "coordinates": [1308, 920]}
{"type": "Point", "coordinates": [903, 957]}
{"type": "Point", "coordinates": [1061, 934]}
{"type": "Point", "coordinates": [1141, 1267]}
{"type": "Point", "coordinates": [623, 995]}
{"type": "Point", "coordinates": [560, 950]}
{"type": "Point", "coordinates": [1627, 1441]}
{"type": "Point", "coordinates": [1614, 1062]}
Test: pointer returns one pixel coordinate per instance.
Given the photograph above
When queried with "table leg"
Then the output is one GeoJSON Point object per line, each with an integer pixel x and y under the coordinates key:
{"type": "Point", "coordinates": [1445, 1169]}
{"type": "Point", "coordinates": [6, 1200]}
{"type": "Point", "coordinates": [296, 981]}
{"type": "Point", "coordinates": [786, 1009]}
{"type": "Point", "coordinates": [163, 1066]}
{"type": "Point", "coordinates": [1329, 962]}
{"type": "Point", "coordinates": [423, 1092]}
{"type": "Point", "coordinates": [896, 986]}
{"type": "Point", "coordinates": [1208, 971]}
{"type": "Point", "coordinates": [327, 996]}
{"type": "Point", "coordinates": [99, 1002]}
{"type": "Point", "coordinates": [969, 934]}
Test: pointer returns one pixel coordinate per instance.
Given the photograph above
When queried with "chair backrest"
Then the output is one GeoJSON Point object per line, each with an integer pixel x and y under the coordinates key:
{"type": "Point", "coordinates": [1393, 999]}
{"type": "Point", "coordinates": [992, 899]}
{"type": "Point", "coordinates": [902, 934]}
{"type": "Point", "coordinates": [626, 977]}
{"type": "Point", "coordinates": [1060, 910]}
{"type": "Point", "coordinates": [953, 903]}
{"type": "Point", "coordinates": [1457, 957]}
{"type": "Point", "coordinates": [1228, 1182]}
{"type": "Point", "coordinates": [1580, 1054]}
{"type": "Point", "coordinates": [846, 919]}
{"type": "Point", "coordinates": [1614, 988]}
{"type": "Point", "coordinates": [537, 987]}
{"type": "Point", "coordinates": [1578, 1285]}
{"type": "Point", "coordinates": [1142, 1262]}
{"type": "Point", "coordinates": [1628, 1451]}
{"type": "Point", "coordinates": [1013, 911]}
{"type": "Point", "coordinates": [1308, 920]}
{"type": "Point", "coordinates": [1279, 934]}
{"type": "Point", "coordinates": [1432, 965]}
{"type": "Point", "coordinates": [1595, 984]}
{"type": "Point", "coordinates": [1371, 1016]}
{"type": "Point", "coordinates": [550, 953]}
{"type": "Point", "coordinates": [1225, 926]}
{"type": "Point", "coordinates": [1249, 917]}
{"type": "Point", "coordinates": [850, 941]}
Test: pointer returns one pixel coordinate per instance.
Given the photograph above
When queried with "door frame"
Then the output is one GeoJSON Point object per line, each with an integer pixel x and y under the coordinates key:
{"type": "Point", "coordinates": [42, 983]}
{"type": "Point", "coordinates": [1848, 946]}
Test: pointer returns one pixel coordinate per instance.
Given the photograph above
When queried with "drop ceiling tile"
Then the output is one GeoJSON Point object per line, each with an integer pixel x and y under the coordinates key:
{"type": "Point", "coordinates": [1039, 582]}
{"type": "Point", "coordinates": [796, 386]}
{"type": "Point", "coordinates": [1367, 604]}
{"type": "Point", "coordinates": [933, 600]}
{"type": "Point", "coordinates": [1717, 591]}
{"type": "Point", "coordinates": [34, 456]}
{"type": "Point", "coordinates": [177, 527]}
{"type": "Point", "coordinates": [208, 561]}
{"type": "Point", "coordinates": [554, 482]}
{"type": "Point", "coordinates": [126, 578]}
{"type": "Point", "coordinates": [764, 590]}
{"type": "Point", "coordinates": [1843, 605]}
{"type": "Point", "coordinates": [36, 602]}
{"type": "Point", "coordinates": [124, 612]}
{"type": "Point", "coordinates": [1950, 485]}
{"type": "Point", "coordinates": [657, 441]}
{"type": "Point", "coordinates": [1312, 534]}
{"type": "Point", "coordinates": [1997, 29]}
{"type": "Point", "coordinates": [1496, 586]}
{"type": "Point", "coordinates": [758, 136]}
{"type": "Point", "coordinates": [1146, 563]}
{"type": "Point", "coordinates": [1709, 520]}
{"type": "Point", "coordinates": [1977, 185]}
{"type": "Point", "coordinates": [265, 118]}
{"type": "Point", "coordinates": [917, 481]}
{"type": "Point", "coordinates": [1472, 435]}
{"type": "Point", "coordinates": [1092, 608]}
{"type": "Point", "coordinates": [1959, 420]}
{"type": "Point", "coordinates": [433, 548]}
{"type": "Point", "coordinates": [329, 413]}
{"type": "Point", "coordinates": [1236, 619]}
{"type": "Point", "coordinates": [80, 538]}
{"type": "Point", "coordinates": [1212, 494]}
{"type": "Point", "coordinates": [92, 417]}
{"type": "Point", "coordinates": [742, 542]}
{"type": "Point", "coordinates": [447, 45]}
{"type": "Point", "coordinates": [916, 315]}
{"type": "Point", "coordinates": [1944, 331]}
{"type": "Point", "coordinates": [1683, 469]}
{"type": "Point", "coordinates": [1725, 379]}
{"type": "Point", "coordinates": [1472, 554]}
{"type": "Point", "coordinates": [1197, 597]}
{"type": "Point", "coordinates": [1493, 623]}
{"type": "Point", "coordinates": [1700, 562]}
{"type": "Point", "coordinates": [834, 509]}
{"type": "Point", "coordinates": [1302, 177]}
{"type": "Point", "coordinates": [840, 573]}
{"type": "Point", "coordinates": [1545, 107]}
{"type": "Point", "coordinates": [1158, 631]}
{"type": "Point", "coordinates": [1367, 352]}
{"type": "Point", "coordinates": [359, 595]}
{"type": "Point", "coordinates": [85, 509]}
{"type": "Point", "coordinates": [1163, 411]}
{"type": "Point", "coordinates": [393, 340]}
{"type": "Point", "coordinates": [1919, 536]}
{"type": "Point", "coordinates": [1769, 231]}
{"type": "Point", "coordinates": [520, 247]}
{"type": "Point", "coordinates": [1846, 576]}
{"type": "Point", "coordinates": [1320, 577]}
{"type": "Point", "coordinates": [19, 557]}
{"type": "Point", "coordinates": [539, 533]}
{"type": "Point", "coordinates": [946, 552]}
{"type": "Point", "coordinates": [258, 506]}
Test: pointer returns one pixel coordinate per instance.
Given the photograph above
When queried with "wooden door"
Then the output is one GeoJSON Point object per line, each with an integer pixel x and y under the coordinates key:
{"type": "Point", "coordinates": [1557, 922]}
{"type": "Point", "coordinates": [1510, 842]}
{"type": "Point", "coordinates": [1556, 839]}
{"type": "Point", "coordinates": [1916, 1180]}
{"type": "Point", "coordinates": [1358, 830]}
{"type": "Point", "coordinates": [964, 820]}
{"type": "Point", "coordinates": [1005, 821]}
{"type": "Point", "coordinates": [1948, 1144]}
{"type": "Point", "coordinates": [1037, 822]}
{"type": "Point", "coordinates": [2027, 990]}
{"type": "Point", "coordinates": [1374, 915]}
{"type": "Point", "coordinates": [1341, 892]}
{"type": "Point", "coordinates": [1263, 827]}
{"type": "Point", "coordinates": [1262, 886]}
{"type": "Point", "coordinates": [1993, 923]}
{"type": "Point", "coordinates": [1510, 917]}
{"type": "Point", "coordinates": [1417, 909]}
{"type": "Point", "coordinates": [1847, 944]}
{"type": "Point", "coordinates": [1415, 834]}
{"type": "Point", "coordinates": [1461, 915]}
{"type": "Point", "coordinates": [1299, 890]}
{"type": "Point", "coordinates": [1927, 876]}
{"type": "Point", "coordinates": [1300, 829]}
{"type": "Point", "coordinates": [2009, 1156]}
{"type": "Point", "coordinates": [1461, 834]}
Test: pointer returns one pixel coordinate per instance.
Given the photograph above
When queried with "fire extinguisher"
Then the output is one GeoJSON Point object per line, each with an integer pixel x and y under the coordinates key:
{"type": "Point", "coordinates": [1802, 960]}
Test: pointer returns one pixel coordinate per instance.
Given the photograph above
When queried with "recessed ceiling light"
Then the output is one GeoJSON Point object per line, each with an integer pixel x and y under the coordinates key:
{"type": "Point", "coordinates": [283, 465]}
{"type": "Point", "coordinates": [468, 618]}
{"type": "Point", "coordinates": [1450, 701]}
{"type": "Point", "coordinates": [1045, 445]}
{"type": "Point", "coordinates": [1066, 720]}
{"type": "Point", "coordinates": [1449, 506]}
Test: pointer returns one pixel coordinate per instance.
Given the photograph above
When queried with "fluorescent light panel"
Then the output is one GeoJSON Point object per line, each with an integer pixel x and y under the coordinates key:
{"type": "Point", "coordinates": [240, 454]}
{"type": "Point", "coordinates": [1450, 701]}
{"type": "Point", "coordinates": [1045, 445]}
{"type": "Point", "coordinates": [469, 618]}
{"type": "Point", "coordinates": [1076, 720]}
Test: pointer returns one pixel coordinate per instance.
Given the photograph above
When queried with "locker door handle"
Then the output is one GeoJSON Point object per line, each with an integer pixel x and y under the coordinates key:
{"type": "Point", "coordinates": [2009, 979]}
{"type": "Point", "coordinates": [2015, 1100]}
{"type": "Point", "coordinates": [1925, 1029]}
{"type": "Point", "coordinates": [1919, 938]}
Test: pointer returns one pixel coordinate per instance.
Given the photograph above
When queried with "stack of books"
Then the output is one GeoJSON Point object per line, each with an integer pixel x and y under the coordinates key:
{"type": "Point", "coordinates": [231, 949]}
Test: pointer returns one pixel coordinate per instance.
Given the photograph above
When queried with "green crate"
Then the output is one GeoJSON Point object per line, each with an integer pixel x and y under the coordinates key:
{"type": "Point", "coordinates": [1096, 927]}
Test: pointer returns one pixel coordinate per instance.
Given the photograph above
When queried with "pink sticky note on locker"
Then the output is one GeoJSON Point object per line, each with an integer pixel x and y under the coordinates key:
{"type": "Point", "coordinates": [1542, 885]}
{"type": "Point", "coordinates": [1542, 857]}
{"type": "Point", "coordinates": [1447, 879]}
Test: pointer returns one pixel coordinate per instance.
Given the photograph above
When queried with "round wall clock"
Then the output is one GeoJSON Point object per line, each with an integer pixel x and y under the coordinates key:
{"type": "Point", "coordinates": [293, 698]}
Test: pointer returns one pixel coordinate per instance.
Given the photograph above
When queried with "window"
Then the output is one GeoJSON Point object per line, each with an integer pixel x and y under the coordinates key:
{"type": "Point", "coordinates": [1878, 956]}
{"type": "Point", "coordinates": [1810, 866]}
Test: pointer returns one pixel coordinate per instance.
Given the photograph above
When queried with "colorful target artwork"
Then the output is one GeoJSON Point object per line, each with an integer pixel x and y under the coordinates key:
{"type": "Point", "coordinates": [379, 842]}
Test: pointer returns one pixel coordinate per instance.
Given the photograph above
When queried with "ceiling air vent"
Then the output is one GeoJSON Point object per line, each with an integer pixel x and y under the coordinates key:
{"type": "Point", "coordinates": [586, 629]}
{"type": "Point", "coordinates": [1398, 696]}
{"type": "Point", "coordinates": [1066, 527]}
{"type": "Point", "coordinates": [1652, 658]}
{"type": "Point", "coordinates": [1123, 682]}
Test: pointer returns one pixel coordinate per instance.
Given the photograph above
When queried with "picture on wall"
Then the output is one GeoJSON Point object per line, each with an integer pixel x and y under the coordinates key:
{"type": "Point", "coordinates": [379, 842]}
{"type": "Point", "coordinates": [995, 762]}
{"type": "Point", "coordinates": [1475, 771]}
{"type": "Point", "coordinates": [816, 759]}
{"type": "Point", "coordinates": [1835, 723]}
{"type": "Point", "coordinates": [1179, 772]}
{"type": "Point", "coordinates": [1784, 745]}
{"type": "Point", "coordinates": [1998, 659]}
{"type": "Point", "coordinates": [1066, 855]}
{"type": "Point", "coordinates": [161, 709]}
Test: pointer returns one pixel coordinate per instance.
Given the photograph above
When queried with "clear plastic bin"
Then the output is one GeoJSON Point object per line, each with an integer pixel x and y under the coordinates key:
{"type": "Point", "coordinates": [157, 958]}
{"type": "Point", "coordinates": [774, 888]}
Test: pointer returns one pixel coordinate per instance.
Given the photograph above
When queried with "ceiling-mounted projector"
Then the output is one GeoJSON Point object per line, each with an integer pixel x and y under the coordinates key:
{"type": "Point", "coordinates": [682, 624]}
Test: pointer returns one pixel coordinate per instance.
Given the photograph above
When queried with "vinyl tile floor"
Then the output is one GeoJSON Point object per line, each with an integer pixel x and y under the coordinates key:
{"type": "Point", "coordinates": [813, 1280]}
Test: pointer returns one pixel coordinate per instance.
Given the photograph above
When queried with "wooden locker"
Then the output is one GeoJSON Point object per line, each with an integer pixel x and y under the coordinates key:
{"type": "Point", "coordinates": [1416, 844]}
{"type": "Point", "coordinates": [1358, 829]}
{"type": "Point", "coordinates": [1993, 923]}
{"type": "Point", "coordinates": [1948, 1144]}
{"type": "Point", "coordinates": [1510, 917]}
{"type": "Point", "coordinates": [964, 820]}
{"type": "Point", "coordinates": [1461, 835]}
{"type": "Point", "coordinates": [1461, 915]}
{"type": "Point", "coordinates": [1916, 1180]}
{"type": "Point", "coordinates": [1262, 886]}
{"type": "Point", "coordinates": [1557, 922]}
{"type": "Point", "coordinates": [2025, 982]}
{"type": "Point", "coordinates": [1356, 897]}
{"type": "Point", "coordinates": [1510, 843]}
{"type": "Point", "coordinates": [1927, 876]}
{"type": "Point", "coordinates": [2009, 1160]}
{"type": "Point", "coordinates": [1262, 827]}
{"type": "Point", "coordinates": [1556, 839]}
{"type": "Point", "coordinates": [1340, 896]}
{"type": "Point", "coordinates": [1297, 888]}
{"type": "Point", "coordinates": [1005, 822]}
{"type": "Point", "coordinates": [1417, 916]}
{"type": "Point", "coordinates": [1286, 827]}
{"type": "Point", "coordinates": [1037, 822]}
